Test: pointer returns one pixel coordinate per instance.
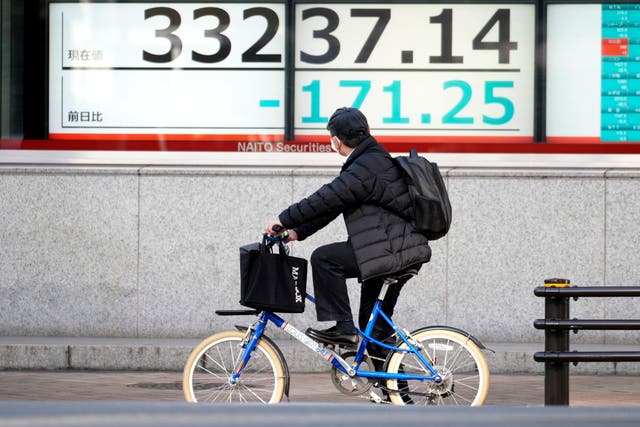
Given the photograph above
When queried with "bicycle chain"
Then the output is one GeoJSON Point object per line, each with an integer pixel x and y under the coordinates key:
{"type": "Point", "coordinates": [389, 390]}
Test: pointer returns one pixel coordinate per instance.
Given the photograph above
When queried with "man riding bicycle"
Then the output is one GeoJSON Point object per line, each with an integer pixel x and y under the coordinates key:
{"type": "Point", "coordinates": [374, 200]}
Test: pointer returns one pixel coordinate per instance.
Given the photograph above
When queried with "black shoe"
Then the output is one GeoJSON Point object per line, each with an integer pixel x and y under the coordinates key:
{"type": "Point", "coordinates": [331, 336]}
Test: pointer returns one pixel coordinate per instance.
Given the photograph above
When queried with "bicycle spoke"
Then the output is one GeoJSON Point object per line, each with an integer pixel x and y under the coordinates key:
{"type": "Point", "coordinates": [456, 355]}
{"type": "Point", "coordinates": [217, 392]}
{"type": "Point", "coordinates": [209, 372]}
{"type": "Point", "coordinates": [252, 392]}
{"type": "Point", "coordinates": [469, 367]}
{"type": "Point", "coordinates": [469, 364]}
{"type": "Point", "coordinates": [260, 369]}
{"type": "Point", "coordinates": [235, 355]}
{"type": "Point", "coordinates": [221, 393]}
{"type": "Point", "coordinates": [253, 379]}
{"type": "Point", "coordinates": [444, 401]}
{"type": "Point", "coordinates": [468, 401]}
{"type": "Point", "coordinates": [461, 383]}
{"type": "Point", "coordinates": [222, 365]}
{"type": "Point", "coordinates": [446, 353]}
{"type": "Point", "coordinates": [468, 378]}
{"type": "Point", "coordinates": [433, 359]}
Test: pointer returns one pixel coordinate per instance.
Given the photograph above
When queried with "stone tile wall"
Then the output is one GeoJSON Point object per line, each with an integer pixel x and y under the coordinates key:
{"type": "Point", "coordinates": [153, 251]}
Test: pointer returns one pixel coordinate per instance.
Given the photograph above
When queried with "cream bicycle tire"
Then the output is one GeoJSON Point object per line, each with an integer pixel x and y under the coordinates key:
{"type": "Point", "coordinates": [209, 368]}
{"type": "Point", "coordinates": [465, 371]}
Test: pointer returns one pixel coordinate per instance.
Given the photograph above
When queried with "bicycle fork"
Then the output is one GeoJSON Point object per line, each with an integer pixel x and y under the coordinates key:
{"type": "Point", "coordinates": [249, 342]}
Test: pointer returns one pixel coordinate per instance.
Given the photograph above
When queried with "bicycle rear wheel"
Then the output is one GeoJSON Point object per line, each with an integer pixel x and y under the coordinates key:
{"type": "Point", "coordinates": [456, 358]}
{"type": "Point", "coordinates": [207, 374]}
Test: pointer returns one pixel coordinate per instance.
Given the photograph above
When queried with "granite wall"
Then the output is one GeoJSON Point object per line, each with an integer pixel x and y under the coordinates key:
{"type": "Point", "coordinates": [151, 252]}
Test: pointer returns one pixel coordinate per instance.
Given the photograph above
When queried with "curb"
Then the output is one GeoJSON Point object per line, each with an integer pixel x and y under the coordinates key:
{"type": "Point", "coordinates": [148, 354]}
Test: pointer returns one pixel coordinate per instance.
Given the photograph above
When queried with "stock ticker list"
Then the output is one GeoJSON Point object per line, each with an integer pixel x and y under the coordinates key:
{"type": "Point", "coordinates": [620, 100]}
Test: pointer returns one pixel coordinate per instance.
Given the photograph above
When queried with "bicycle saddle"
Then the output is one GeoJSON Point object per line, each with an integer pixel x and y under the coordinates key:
{"type": "Point", "coordinates": [403, 276]}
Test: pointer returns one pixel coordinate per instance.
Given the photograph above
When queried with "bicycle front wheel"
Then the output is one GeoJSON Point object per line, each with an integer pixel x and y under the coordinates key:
{"type": "Point", "coordinates": [208, 373]}
{"type": "Point", "coordinates": [458, 360]}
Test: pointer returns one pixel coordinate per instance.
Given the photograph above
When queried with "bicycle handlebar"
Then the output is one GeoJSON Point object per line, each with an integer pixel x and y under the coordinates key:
{"type": "Point", "coordinates": [278, 238]}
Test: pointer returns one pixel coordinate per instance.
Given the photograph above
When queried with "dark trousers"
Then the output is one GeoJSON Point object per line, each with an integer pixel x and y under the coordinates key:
{"type": "Point", "coordinates": [332, 265]}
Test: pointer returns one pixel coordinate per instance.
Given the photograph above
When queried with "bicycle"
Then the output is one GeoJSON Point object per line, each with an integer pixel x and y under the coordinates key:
{"type": "Point", "coordinates": [436, 365]}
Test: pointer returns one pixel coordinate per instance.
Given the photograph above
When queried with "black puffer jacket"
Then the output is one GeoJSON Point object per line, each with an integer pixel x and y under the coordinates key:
{"type": "Point", "coordinates": [374, 200]}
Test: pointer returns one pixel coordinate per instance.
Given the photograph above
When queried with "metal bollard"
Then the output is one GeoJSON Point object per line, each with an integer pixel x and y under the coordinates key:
{"type": "Point", "coordinates": [556, 377]}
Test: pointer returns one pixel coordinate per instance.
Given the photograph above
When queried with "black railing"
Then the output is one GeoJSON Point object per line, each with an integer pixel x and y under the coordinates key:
{"type": "Point", "coordinates": [557, 325]}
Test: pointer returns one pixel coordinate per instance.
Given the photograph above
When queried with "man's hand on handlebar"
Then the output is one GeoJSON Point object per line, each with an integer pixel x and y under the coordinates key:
{"type": "Point", "coordinates": [274, 228]}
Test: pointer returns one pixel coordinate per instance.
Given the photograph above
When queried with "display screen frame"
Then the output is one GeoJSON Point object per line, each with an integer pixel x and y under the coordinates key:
{"type": "Point", "coordinates": [538, 144]}
{"type": "Point", "coordinates": [292, 140]}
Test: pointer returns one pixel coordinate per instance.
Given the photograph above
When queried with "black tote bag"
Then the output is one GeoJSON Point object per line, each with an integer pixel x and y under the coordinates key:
{"type": "Point", "coordinates": [272, 281]}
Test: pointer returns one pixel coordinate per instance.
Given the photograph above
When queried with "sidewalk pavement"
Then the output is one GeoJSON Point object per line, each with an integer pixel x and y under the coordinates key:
{"type": "Point", "coordinates": [506, 390]}
{"type": "Point", "coordinates": [81, 368]}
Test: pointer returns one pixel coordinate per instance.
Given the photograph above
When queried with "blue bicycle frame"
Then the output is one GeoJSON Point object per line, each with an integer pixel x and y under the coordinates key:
{"type": "Point", "coordinates": [351, 369]}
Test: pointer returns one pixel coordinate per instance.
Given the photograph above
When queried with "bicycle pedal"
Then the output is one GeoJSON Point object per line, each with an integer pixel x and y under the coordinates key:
{"type": "Point", "coordinates": [348, 347]}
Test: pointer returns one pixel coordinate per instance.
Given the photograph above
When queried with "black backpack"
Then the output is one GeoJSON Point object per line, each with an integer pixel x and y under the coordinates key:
{"type": "Point", "coordinates": [432, 209]}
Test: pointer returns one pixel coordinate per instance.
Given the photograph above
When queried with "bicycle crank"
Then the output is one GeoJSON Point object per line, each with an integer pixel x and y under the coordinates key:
{"type": "Point", "coordinates": [351, 386]}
